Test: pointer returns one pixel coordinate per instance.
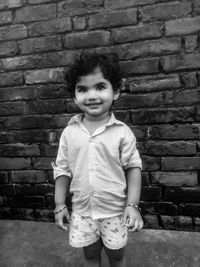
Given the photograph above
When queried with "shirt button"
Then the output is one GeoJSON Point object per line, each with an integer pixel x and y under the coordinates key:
{"type": "Point", "coordinates": [91, 139]}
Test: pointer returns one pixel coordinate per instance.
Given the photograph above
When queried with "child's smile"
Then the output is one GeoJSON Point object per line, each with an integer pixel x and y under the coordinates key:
{"type": "Point", "coordinates": [94, 95]}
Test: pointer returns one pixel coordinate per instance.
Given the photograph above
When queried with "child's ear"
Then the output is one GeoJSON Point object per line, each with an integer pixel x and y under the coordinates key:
{"type": "Point", "coordinates": [116, 95]}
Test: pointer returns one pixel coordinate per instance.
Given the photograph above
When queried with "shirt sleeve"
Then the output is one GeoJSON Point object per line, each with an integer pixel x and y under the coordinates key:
{"type": "Point", "coordinates": [61, 166]}
{"type": "Point", "coordinates": [130, 156]}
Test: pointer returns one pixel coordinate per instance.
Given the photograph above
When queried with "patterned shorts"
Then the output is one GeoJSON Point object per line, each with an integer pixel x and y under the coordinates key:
{"type": "Point", "coordinates": [85, 231]}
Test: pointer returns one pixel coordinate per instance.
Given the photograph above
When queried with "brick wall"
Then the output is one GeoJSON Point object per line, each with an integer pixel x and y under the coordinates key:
{"type": "Point", "coordinates": [158, 45]}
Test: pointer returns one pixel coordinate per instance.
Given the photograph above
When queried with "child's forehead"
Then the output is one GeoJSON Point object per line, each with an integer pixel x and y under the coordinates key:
{"type": "Point", "coordinates": [94, 76]}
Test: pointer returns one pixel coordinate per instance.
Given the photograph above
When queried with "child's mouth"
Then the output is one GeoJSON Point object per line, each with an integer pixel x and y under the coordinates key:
{"type": "Point", "coordinates": [93, 105]}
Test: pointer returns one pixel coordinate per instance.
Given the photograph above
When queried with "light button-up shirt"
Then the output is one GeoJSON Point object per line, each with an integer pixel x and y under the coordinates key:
{"type": "Point", "coordinates": [96, 164]}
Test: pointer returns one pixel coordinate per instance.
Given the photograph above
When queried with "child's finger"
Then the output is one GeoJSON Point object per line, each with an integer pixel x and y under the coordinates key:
{"type": "Point", "coordinates": [67, 216]}
{"type": "Point", "coordinates": [135, 228]}
{"type": "Point", "coordinates": [124, 219]}
{"type": "Point", "coordinates": [141, 224]}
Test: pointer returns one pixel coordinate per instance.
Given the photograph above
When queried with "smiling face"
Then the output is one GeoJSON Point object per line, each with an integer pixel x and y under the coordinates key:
{"type": "Point", "coordinates": [94, 95]}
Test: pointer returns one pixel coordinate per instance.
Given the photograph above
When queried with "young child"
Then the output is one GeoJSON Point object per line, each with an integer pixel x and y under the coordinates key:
{"type": "Point", "coordinates": [100, 164]}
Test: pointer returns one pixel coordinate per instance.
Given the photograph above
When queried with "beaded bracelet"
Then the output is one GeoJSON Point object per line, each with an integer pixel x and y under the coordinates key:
{"type": "Point", "coordinates": [134, 206]}
{"type": "Point", "coordinates": [58, 211]}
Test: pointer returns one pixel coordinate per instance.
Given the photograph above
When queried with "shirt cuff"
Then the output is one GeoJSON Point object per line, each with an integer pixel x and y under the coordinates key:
{"type": "Point", "coordinates": [58, 171]}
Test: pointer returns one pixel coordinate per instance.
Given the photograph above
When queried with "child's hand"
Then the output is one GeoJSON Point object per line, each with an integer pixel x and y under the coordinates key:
{"type": "Point", "coordinates": [59, 218]}
{"type": "Point", "coordinates": [132, 219]}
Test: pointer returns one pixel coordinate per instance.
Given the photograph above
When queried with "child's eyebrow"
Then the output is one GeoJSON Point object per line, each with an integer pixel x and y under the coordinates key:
{"type": "Point", "coordinates": [85, 87]}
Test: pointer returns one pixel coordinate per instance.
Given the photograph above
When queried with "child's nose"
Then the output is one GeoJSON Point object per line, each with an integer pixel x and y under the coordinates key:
{"type": "Point", "coordinates": [92, 94]}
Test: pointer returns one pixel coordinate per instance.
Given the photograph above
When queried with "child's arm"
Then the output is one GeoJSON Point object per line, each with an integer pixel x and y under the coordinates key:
{"type": "Point", "coordinates": [132, 217]}
{"type": "Point", "coordinates": [62, 184]}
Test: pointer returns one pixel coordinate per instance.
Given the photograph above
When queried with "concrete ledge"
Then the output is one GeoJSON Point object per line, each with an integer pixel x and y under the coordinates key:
{"type": "Point", "coordinates": [40, 244]}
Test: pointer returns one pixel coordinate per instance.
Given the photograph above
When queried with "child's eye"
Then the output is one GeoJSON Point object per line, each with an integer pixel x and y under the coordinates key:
{"type": "Point", "coordinates": [81, 90]}
{"type": "Point", "coordinates": [100, 87]}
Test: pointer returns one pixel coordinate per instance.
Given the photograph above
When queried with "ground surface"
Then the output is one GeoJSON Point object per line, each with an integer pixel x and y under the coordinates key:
{"type": "Point", "coordinates": [40, 244]}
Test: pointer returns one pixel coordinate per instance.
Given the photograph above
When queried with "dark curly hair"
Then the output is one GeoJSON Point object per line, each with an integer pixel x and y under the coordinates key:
{"type": "Point", "coordinates": [86, 63]}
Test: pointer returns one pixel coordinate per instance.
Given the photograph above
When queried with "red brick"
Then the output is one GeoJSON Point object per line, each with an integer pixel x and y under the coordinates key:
{"type": "Point", "coordinates": [87, 39]}
{"type": "Point", "coordinates": [3, 177]}
{"type": "Point", "coordinates": [42, 44]}
{"type": "Point", "coordinates": [180, 163]}
{"type": "Point", "coordinates": [186, 131]}
{"type": "Point", "coordinates": [145, 178]}
{"type": "Point", "coordinates": [17, 93]}
{"type": "Point", "coordinates": [8, 49]}
{"type": "Point", "coordinates": [189, 79]}
{"type": "Point", "coordinates": [177, 222]}
{"type": "Point", "coordinates": [150, 65]}
{"type": "Point", "coordinates": [35, 202]}
{"type": "Point", "coordinates": [25, 136]}
{"type": "Point", "coordinates": [182, 26]}
{"type": "Point", "coordinates": [4, 4]}
{"type": "Point", "coordinates": [167, 208]}
{"type": "Point", "coordinates": [11, 78]}
{"type": "Point", "coordinates": [191, 43]}
{"type": "Point", "coordinates": [181, 97]}
{"type": "Point", "coordinates": [79, 23]}
{"type": "Point", "coordinates": [23, 214]}
{"type": "Point", "coordinates": [28, 176]}
{"type": "Point", "coordinates": [190, 209]}
{"type": "Point", "coordinates": [44, 189]}
{"type": "Point", "coordinates": [118, 4]}
{"type": "Point", "coordinates": [180, 62]}
{"type": "Point", "coordinates": [77, 7]}
{"type": "Point", "coordinates": [5, 17]}
{"type": "Point", "coordinates": [50, 150]}
{"type": "Point", "coordinates": [42, 163]}
{"type": "Point", "coordinates": [35, 13]}
{"type": "Point", "coordinates": [112, 19]}
{"type": "Point", "coordinates": [35, 2]}
{"type": "Point", "coordinates": [20, 150]}
{"type": "Point", "coordinates": [163, 115]}
{"type": "Point", "coordinates": [7, 190]}
{"type": "Point", "coordinates": [152, 83]}
{"type": "Point", "coordinates": [150, 193]}
{"type": "Point", "coordinates": [11, 108]}
{"type": "Point", "coordinates": [197, 224]}
{"type": "Point", "coordinates": [134, 33]}
{"type": "Point", "coordinates": [44, 76]}
{"type": "Point", "coordinates": [38, 61]}
{"type": "Point", "coordinates": [184, 195]}
{"type": "Point", "coordinates": [150, 222]}
{"type": "Point", "coordinates": [196, 6]}
{"type": "Point", "coordinates": [43, 107]}
{"type": "Point", "coordinates": [150, 163]}
{"type": "Point", "coordinates": [139, 131]}
{"type": "Point", "coordinates": [14, 163]}
{"type": "Point", "coordinates": [151, 48]}
{"type": "Point", "coordinates": [5, 213]}
{"type": "Point", "coordinates": [50, 27]}
{"type": "Point", "coordinates": [165, 11]}
{"type": "Point", "coordinates": [197, 113]}
{"type": "Point", "coordinates": [175, 178]}
{"type": "Point", "coordinates": [122, 115]}
{"type": "Point", "coordinates": [170, 148]}
{"type": "Point", "coordinates": [136, 101]}
{"type": "Point", "coordinates": [4, 201]}
{"type": "Point", "coordinates": [13, 32]}
{"type": "Point", "coordinates": [45, 215]}
{"type": "Point", "coordinates": [24, 190]}
{"type": "Point", "coordinates": [46, 91]}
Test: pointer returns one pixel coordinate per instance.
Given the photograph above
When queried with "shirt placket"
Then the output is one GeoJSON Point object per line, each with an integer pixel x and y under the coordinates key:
{"type": "Point", "coordinates": [91, 172]}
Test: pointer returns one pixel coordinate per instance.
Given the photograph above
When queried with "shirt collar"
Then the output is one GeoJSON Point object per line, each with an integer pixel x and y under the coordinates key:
{"type": "Point", "coordinates": [78, 119]}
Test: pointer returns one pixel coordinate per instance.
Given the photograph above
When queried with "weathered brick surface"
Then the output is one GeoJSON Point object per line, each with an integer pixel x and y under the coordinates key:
{"type": "Point", "coordinates": [135, 33]}
{"type": "Point", "coordinates": [165, 11]}
{"type": "Point", "coordinates": [182, 26]}
{"type": "Point", "coordinates": [35, 13]}
{"type": "Point", "coordinates": [158, 47]}
{"type": "Point", "coordinates": [111, 19]}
